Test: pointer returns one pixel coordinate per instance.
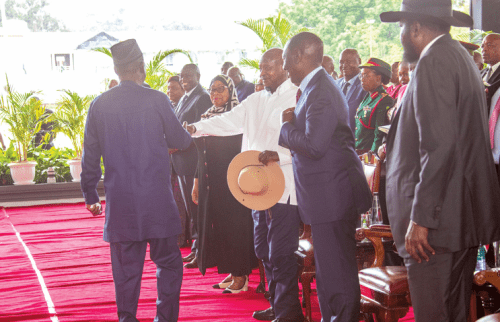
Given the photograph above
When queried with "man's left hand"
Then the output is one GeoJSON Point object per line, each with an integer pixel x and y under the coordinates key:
{"type": "Point", "coordinates": [288, 115]}
{"type": "Point", "coordinates": [95, 209]}
{"type": "Point", "coordinates": [268, 156]}
{"type": "Point", "coordinates": [416, 243]}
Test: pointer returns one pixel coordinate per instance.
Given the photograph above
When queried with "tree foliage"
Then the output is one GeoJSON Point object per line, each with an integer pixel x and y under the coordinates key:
{"type": "Point", "coordinates": [24, 114]}
{"type": "Point", "coordinates": [274, 31]}
{"type": "Point", "coordinates": [345, 24]}
{"type": "Point", "coordinates": [32, 11]}
{"type": "Point", "coordinates": [156, 73]}
{"type": "Point", "coordinates": [356, 24]}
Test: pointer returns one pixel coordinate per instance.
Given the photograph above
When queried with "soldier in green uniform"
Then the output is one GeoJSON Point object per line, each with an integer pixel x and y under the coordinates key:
{"type": "Point", "coordinates": [373, 109]}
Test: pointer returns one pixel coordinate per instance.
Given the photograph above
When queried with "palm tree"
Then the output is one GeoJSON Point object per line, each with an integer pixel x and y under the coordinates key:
{"type": "Point", "coordinates": [24, 114]}
{"type": "Point", "coordinates": [70, 116]}
{"type": "Point", "coordinates": [156, 73]}
{"type": "Point", "coordinates": [274, 31]}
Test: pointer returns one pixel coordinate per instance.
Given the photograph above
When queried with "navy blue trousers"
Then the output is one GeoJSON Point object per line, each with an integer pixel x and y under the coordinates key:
{"type": "Point", "coordinates": [127, 262]}
{"type": "Point", "coordinates": [276, 238]}
{"type": "Point", "coordinates": [336, 270]}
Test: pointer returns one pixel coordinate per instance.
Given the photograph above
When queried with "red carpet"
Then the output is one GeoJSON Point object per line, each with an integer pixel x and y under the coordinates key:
{"type": "Point", "coordinates": [66, 246]}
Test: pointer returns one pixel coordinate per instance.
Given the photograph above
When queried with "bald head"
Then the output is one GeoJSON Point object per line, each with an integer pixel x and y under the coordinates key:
{"type": "Point", "coordinates": [328, 64]}
{"type": "Point", "coordinates": [271, 69]}
{"type": "Point", "coordinates": [303, 53]}
{"type": "Point", "coordinates": [309, 45]}
{"type": "Point", "coordinates": [235, 74]}
{"type": "Point", "coordinates": [490, 49]}
{"type": "Point", "coordinates": [273, 54]}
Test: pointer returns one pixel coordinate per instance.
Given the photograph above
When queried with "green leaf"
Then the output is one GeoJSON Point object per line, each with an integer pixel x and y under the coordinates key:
{"type": "Point", "coordinates": [103, 50]}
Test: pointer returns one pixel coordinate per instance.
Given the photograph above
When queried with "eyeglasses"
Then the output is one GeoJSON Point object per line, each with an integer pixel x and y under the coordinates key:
{"type": "Point", "coordinates": [219, 89]}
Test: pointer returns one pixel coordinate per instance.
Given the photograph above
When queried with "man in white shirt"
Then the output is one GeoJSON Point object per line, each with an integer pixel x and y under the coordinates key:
{"type": "Point", "coordinates": [276, 236]}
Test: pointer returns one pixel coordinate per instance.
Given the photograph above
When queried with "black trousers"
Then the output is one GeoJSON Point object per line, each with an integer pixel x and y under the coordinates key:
{"type": "Point", "coordinates": [186, 184]}
{"type": "Point", "coordinates": [441, 288]}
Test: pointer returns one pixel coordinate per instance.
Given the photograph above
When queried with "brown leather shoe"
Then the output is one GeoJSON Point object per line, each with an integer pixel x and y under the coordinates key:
{"type": "Point", "coordinates": [192, 264]}
{"type": "Point", "coordinates": [189, 257]}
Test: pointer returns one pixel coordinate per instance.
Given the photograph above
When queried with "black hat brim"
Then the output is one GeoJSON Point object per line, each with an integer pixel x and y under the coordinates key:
{"type": "Point", "coordinates": [459, 19]}
{"type": "Point", "coordinates": [379, 69]}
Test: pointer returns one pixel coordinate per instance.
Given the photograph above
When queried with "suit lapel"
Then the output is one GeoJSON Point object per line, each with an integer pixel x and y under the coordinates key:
{"type": "Point", "coordinates": [303, 98]}
{"type": "Point", "coordinates": [188, 102]}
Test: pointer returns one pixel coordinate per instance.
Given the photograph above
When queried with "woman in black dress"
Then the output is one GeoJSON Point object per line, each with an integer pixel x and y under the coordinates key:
{"type": "Point", "coordinates": [225, 227]}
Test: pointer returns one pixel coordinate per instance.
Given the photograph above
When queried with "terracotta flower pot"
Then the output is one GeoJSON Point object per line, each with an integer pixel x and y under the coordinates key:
{"type": "Point", "coordinates": [75, 168]}
{"type": "Point", "coordinates": [22, 172]}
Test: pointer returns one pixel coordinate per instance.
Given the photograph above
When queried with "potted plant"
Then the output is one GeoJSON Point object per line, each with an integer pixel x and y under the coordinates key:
{"type": "Point", "coordinates": [25, 115]}
{"type": "Point", "coordinates": [69, 119]}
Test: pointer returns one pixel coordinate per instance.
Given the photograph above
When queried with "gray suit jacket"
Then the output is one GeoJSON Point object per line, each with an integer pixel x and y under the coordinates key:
{"type": "Point", "coordinates": [440, 170]}
{"type": "Point", "coordinates": [190, 111]}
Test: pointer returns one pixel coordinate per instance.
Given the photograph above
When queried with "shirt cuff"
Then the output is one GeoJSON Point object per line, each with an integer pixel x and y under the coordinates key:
{"type": "Point", "coordinates": [91, 197]}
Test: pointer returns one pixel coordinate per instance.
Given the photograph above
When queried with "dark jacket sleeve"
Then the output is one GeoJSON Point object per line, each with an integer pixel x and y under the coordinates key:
{"type": "Point", "coordinates": [91, 160]}
{"type": "Point", "coordinates": [321, 121]}
{"type": "Point", "coordinates": [435, 101]}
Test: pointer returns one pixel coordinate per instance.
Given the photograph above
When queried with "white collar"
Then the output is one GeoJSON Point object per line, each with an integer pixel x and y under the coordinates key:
{"type": "Point", "coordinates": [191, 91]}
{"type": "Point", "coordinates": [494, 68]}
{"type": "Point", "coordinates": [307, 79]}
{"type": "Point", "coordinates": [426, 48]}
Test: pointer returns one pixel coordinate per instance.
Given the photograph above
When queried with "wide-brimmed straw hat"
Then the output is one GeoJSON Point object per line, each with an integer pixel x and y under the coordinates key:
{"type": "Point", "coordinates": [253, 184]}
{"type": "Point", "coordinates": [438, 11]}
{"type": "Point", "coordinates": [379, 65]}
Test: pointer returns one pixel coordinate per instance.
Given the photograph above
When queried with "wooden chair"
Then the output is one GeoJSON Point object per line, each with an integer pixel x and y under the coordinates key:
{"type": "Point", "coordinates": [393, 304]}
{"type": "Point", "coordinates": [490, 295]}
{"type": "Point", "coordinates": [388, 285]}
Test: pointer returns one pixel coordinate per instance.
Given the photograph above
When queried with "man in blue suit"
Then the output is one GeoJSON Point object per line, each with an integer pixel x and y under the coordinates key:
{"type": "Point", "coordinates": [132, 127]}
{"type": "Point", "coordinates": [350, 84]}
{"type": "Point", "coordinates": [331, 187]}
{"type": "Point", "coordinates": [192, 105]}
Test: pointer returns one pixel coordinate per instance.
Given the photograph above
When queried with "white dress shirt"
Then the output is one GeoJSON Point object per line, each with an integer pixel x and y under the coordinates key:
{"type": "Point", "coordinates": [496, 136]}
{"type": "Point", "coordinates": [493, 70]}
{"type": "Point", "coordinates": [259, 118]}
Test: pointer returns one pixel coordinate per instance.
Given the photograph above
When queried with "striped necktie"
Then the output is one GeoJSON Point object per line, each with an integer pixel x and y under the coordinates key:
{"type": "Point", "coordinates": [345, 88]}
{"type": "Point", "coordinates": [299, 94]}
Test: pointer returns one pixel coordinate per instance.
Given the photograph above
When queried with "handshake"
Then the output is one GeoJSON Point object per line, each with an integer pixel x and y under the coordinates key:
{"type": "Point", "coordinates": [188, 127]}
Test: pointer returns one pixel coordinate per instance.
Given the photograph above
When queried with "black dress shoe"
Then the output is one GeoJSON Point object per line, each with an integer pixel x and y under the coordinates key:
{"type": "Point", "coordinates": [192, 264]}
{"type": "Point", "coordinates": [264, 315]}
{"type": "Point", "coordinates": [296, 319]}
{"type": "Point", "coordinates": [189, 257]}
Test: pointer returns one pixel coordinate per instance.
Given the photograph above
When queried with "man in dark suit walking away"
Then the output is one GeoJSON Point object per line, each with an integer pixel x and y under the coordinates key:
{"type": "Point", "coordinates": [442, 195]}
{"type": "Point", "coordinates": [192, 105]}
{"type": "Point", "coordinates": [331, 187]}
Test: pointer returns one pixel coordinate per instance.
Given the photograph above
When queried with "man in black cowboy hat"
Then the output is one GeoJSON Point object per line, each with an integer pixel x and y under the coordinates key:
{"type": "Point", "coordinates": [442, 195]}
